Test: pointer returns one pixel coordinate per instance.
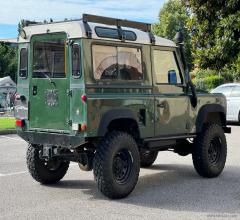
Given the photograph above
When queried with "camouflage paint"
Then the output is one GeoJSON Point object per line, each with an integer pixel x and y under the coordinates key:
{"type": "Point", "coordinates": [178, 117]}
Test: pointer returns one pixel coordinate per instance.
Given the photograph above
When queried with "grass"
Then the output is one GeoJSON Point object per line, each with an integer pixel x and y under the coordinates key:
{"type": "Point", "coordinates": [7, 123]}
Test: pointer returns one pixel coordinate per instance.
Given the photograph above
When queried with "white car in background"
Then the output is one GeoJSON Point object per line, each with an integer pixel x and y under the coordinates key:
{"type": "Point", "coordinates": [232, 93]}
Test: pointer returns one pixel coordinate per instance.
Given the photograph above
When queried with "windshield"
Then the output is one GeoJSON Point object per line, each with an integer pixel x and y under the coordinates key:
{"type": "Point", "coordinates": [49, 59]}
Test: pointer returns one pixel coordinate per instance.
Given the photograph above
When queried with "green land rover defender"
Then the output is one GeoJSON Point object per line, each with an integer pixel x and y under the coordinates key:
{"type": "Point", "coordinates": [109, 95]}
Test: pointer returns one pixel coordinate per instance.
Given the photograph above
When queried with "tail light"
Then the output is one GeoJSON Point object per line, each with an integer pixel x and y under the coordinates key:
{"type": "Point", "coordinates": [20, 97]}
{"type": "Point", "coordinates": [19, 123]}
{"type": "Point", "coordinates": [83, 127]}
{"type": "Point", "coordinates": [84, 98]}
{"type": "Point", "coordinates": [79, 127]}
{"type": "Point", "coordinates": [17, 96]}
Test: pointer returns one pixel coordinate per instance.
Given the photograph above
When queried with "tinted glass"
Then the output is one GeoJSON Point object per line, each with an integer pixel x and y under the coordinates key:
{"type": "Point", "coordinates": [236, 91]}
{"type": "Point", "coordinates": [107, 32]}
{"type": "Point", "coordinates": [49, 59]}
{"type": "Point", "coordinates": [129, 35]}
{"type": "Point", "coordinates": [113, 33]}
{"type": "Point", "coordinates": [76, 59]}
{"type": "Point", "coordinates": [117, 63]}
{"type": "Point", "coordinates": [23, 71]}
{"type": "Point", "coordinates": [164, 63]}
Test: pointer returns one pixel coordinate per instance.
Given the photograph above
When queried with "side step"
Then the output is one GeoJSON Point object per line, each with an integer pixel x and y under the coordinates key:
{"type": "Point", "coordinates": [162, 143]}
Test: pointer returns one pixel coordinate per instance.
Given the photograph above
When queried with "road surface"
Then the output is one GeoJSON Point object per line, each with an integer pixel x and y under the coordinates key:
{"type": "Point", "coordinates": [170, 189]}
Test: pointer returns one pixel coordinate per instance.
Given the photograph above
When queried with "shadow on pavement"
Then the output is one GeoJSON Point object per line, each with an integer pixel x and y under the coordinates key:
{"type": "Point", "coordinates": [177, 188]}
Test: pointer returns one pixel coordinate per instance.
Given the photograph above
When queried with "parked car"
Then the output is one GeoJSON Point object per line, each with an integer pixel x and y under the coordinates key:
{"type": "Point", "coordinates": [232, 93]}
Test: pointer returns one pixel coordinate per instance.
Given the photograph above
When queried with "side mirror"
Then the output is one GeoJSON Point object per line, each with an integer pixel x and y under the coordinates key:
{"type": "Point", "coordinates": [179, 38]}
{"type": "Point", "coordinates": [172, 77]}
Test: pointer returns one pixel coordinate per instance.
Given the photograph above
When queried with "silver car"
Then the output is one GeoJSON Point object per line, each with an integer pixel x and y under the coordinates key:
{"type": "Point", "coordinates": [232, 93]}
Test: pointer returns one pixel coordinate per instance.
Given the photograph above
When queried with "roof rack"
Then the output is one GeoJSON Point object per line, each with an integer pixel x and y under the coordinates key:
{"type": "Point", "coordinates": [117, 22]}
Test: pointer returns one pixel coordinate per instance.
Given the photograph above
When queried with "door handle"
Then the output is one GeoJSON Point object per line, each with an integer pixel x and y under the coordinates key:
{"type": "Point", "coordinates": [34, 90]}
{"type": "Point", "coordinates": [161, 105]}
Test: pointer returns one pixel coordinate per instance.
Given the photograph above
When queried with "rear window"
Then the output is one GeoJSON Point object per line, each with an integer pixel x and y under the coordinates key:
{"type": "Point", "coordinates": [23, 69]}
{"type": "Point", "coordinates": [76, 61]}
{"type": "Point", "coordinates": [117, 63]}
{"type": "Point", "coordinates": [49, 59]}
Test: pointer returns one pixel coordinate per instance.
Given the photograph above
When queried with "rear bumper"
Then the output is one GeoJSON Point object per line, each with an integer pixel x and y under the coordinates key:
{"type": "Point", "coordinates": [63, 140]}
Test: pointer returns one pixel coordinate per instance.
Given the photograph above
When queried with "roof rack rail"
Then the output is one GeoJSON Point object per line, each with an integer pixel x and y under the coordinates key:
{"type": "Point", "coordinates": [117, 22]}
{"type": "Point", "coordinates": [26, 23]}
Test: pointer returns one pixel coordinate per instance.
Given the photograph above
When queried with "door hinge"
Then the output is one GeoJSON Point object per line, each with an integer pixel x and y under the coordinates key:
{"type": "Point", "coordinates": [69, 93]}
{"type": "Point", "coordinates": [69, 122]}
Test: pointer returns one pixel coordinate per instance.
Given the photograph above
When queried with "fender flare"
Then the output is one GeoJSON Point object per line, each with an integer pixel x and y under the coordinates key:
{"type": "Point", "coordinates": [205, 110]}
{"type": "Point", "coordinates": [113, 114]}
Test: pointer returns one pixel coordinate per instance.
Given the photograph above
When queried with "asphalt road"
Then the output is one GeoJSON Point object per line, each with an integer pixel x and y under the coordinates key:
{"type": "Point", "coordinates": [170, 189]}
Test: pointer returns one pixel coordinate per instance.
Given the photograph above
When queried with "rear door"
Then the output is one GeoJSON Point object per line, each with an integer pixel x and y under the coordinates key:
{"type": "Point", "coordinates": [49, 100]}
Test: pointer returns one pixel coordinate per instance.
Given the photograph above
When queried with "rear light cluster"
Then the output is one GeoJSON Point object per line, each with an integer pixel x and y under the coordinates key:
{"type": "Point", "coordinates": [17, 96]}
{"type": "Point", "coordinates": [20, 97]}
{"type": "Point", "coordinates": [79, 127]}
{"type": "Point", "coordinates": [84, 98]}
{"type": "Point", "coordinates": [20, 123]}
{"type": "Point", "coordinates": [83, 127]}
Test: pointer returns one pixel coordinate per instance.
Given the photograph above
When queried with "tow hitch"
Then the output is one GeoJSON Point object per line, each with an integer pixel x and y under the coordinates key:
{"type": "Point", "coordinates": [84, 157]}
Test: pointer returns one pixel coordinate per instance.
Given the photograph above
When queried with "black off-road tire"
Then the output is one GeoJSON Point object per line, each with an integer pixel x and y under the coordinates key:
{"type": "Point", "coordinates": [40, 172]}
{"type": "Point", "coordinates": [210, 151]}
{"type": "Point", "coordinates": [147, 158]}
{"type": "Point", "coordinates": [116, 146]}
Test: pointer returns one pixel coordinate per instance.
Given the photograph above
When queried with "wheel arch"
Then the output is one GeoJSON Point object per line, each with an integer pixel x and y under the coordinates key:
{"type": "Point", "coordinates": [211, 113]}
{"type": "Point", "coordinates": [119, 118]}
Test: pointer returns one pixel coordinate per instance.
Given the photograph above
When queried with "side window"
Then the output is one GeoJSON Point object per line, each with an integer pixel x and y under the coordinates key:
{"type": "Point", "coordinates": [166, 68]}
{"type": "Point", "coordinates": [76, 61]}
{"type": "Point", "coordinates": [236, 91]}
{"type": "Point", "coordinates": [23, 68]}
{"type": "Point", "coordinates": [104, 62]}
{"type": "Point", "coordinates": [119, 63]}
{"type": "Point", "coordinates": [130, 63]}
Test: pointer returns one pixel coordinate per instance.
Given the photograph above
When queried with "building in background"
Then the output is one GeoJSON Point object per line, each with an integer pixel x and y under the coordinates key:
{"type": "Point", "coordinates": [7, 85]}
{"type": "Point", "coordinates": [7, 91]}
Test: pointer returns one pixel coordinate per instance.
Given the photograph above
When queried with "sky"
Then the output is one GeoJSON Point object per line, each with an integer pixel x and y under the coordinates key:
{"type": "Point", "coordinates": [13, 11]}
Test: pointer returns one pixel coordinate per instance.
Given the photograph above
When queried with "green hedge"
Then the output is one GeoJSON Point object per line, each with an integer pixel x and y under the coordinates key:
{"type": "Point", "coordinates": [206, 79]}
{"type": "Point", "coordinates": [208, 83]}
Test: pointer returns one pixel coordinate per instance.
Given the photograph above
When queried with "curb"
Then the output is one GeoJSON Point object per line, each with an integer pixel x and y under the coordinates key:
{"type": "Point", "coordinates": [6, 132]}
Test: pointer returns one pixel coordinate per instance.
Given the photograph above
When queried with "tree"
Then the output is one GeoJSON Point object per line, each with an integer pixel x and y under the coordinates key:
{"type": "Point", "coordinates": [215, 27]}
{"type": "Point", "coordinates": [173, 16]}
{"type": "Point", "coordinates": [8, 61]}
